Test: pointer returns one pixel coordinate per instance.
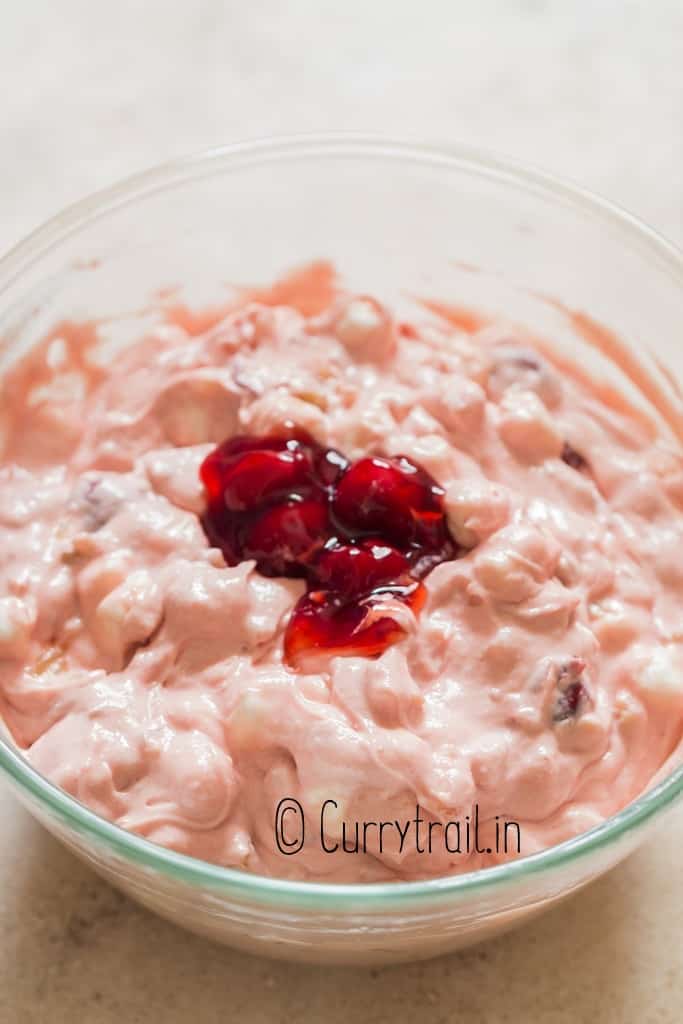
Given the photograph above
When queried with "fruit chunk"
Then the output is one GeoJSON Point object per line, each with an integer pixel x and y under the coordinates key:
{"type": "Point", "coordinates": [569, 702]}
{"type": "Point", "coordinates": [324, 622]}
{"type": "Point", "coordinates": [222, 459]}
{"type": "Point", "coordinates": [572, 695]}
{"type": "Point", "coordinates": [285, 536]}
{"type": "Point", "coordinates": [394, 499]}
{"type": "Point", "coordinates": [260, 476]}
{"type": "Point", "coordinates": [354, 569]}
{"type": "Point", "coordinates": [573, 458]}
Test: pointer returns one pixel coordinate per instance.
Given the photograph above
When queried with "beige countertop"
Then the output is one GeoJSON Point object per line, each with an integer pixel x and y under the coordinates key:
{"type": "Point", "coordinates": [90, 92]}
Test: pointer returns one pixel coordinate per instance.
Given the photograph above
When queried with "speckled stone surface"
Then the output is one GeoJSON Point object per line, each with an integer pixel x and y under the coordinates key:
{"type": "Point", "coordinates": [591, 89]}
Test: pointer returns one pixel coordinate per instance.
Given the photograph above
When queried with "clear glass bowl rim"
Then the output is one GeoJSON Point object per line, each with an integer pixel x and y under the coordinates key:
{"type": "Point", "coordinates": [323, 896]}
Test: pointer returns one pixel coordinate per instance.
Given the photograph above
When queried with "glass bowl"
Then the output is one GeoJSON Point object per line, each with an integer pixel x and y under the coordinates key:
{"type": "Point", "coordinates": [398, 220]}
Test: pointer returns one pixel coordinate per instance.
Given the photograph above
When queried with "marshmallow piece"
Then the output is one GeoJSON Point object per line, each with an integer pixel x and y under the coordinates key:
{"type": "Point", "coordinates": [128, 615]}
{"type": "Point", "coordinates": [630, 717]}
{"type": "Point", "coordinates": [251, 723]}
{"type": "Point", "coordinates": [202, 778]}
{"type": "Point", "coordinates": [613, 624]}
{"type": "Point", "coordinates": [432, 451]}
{"type": "Point", "coordinates": [279, 410]}
{"type": "Point", "coordinates": [365, 329]}
{"type": "Point", "coordinates": [101, 576]}
{"type": "Point", "coordinates": [16, 626]}
{"type": "Point", "coordinates": [459, 406]}
{"type": "Point", "coordinates": [527, 428]}
{"type": "Point", "coordinates": [174, 473]}
{"type": "Point", "coordinates": [516, 563]}
{"type": "Point", "coordinates": [370, 424]}
{"type": "Point", "coordinates": [658, 674]}
{"type": "Point", "coordinates": [197, 410]}
{"type": "Point", "coordinates": [475, 509]}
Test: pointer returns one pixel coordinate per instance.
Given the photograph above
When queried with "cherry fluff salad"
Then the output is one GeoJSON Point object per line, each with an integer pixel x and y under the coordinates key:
{"type": "Point", "coordinates": [303, 548]}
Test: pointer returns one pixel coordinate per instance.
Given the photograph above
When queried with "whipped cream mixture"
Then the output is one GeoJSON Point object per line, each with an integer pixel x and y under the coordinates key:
{"type": "Point", "coordinates": [541, 681]}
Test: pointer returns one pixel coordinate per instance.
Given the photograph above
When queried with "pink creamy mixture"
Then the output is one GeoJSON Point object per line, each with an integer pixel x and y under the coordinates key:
{"type": "Point", "coordinates": [147, 679]}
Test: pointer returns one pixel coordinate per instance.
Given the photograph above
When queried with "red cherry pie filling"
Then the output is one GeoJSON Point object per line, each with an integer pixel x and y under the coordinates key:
{"type": "Point", "coordinates": [363, 535]}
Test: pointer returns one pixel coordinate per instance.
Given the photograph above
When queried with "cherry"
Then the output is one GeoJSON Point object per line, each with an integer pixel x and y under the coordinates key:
{"type": "Point", "coordinates": [355, 569]}
{"type": "Point", "coordinates": [218, 462]}
{"type": "Point", "coordinates": [573, 458]}
{"type": "Point", "coordinates": [259, 476]}
{"type": "Point", "coordinates": [285, 536]}
{"type": "Point", "coordinates": [322, 622]}
{"type": "Point", "coordinates": [572, 694]}
{"type": "Point", "coordinates": [361, 535]}
{"type": "Point", "coordinates": [222, 531]}
{"type": "Point", "coordinates": [569, 702]}
{"type": "Point", "coordinates": [390, 497]}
